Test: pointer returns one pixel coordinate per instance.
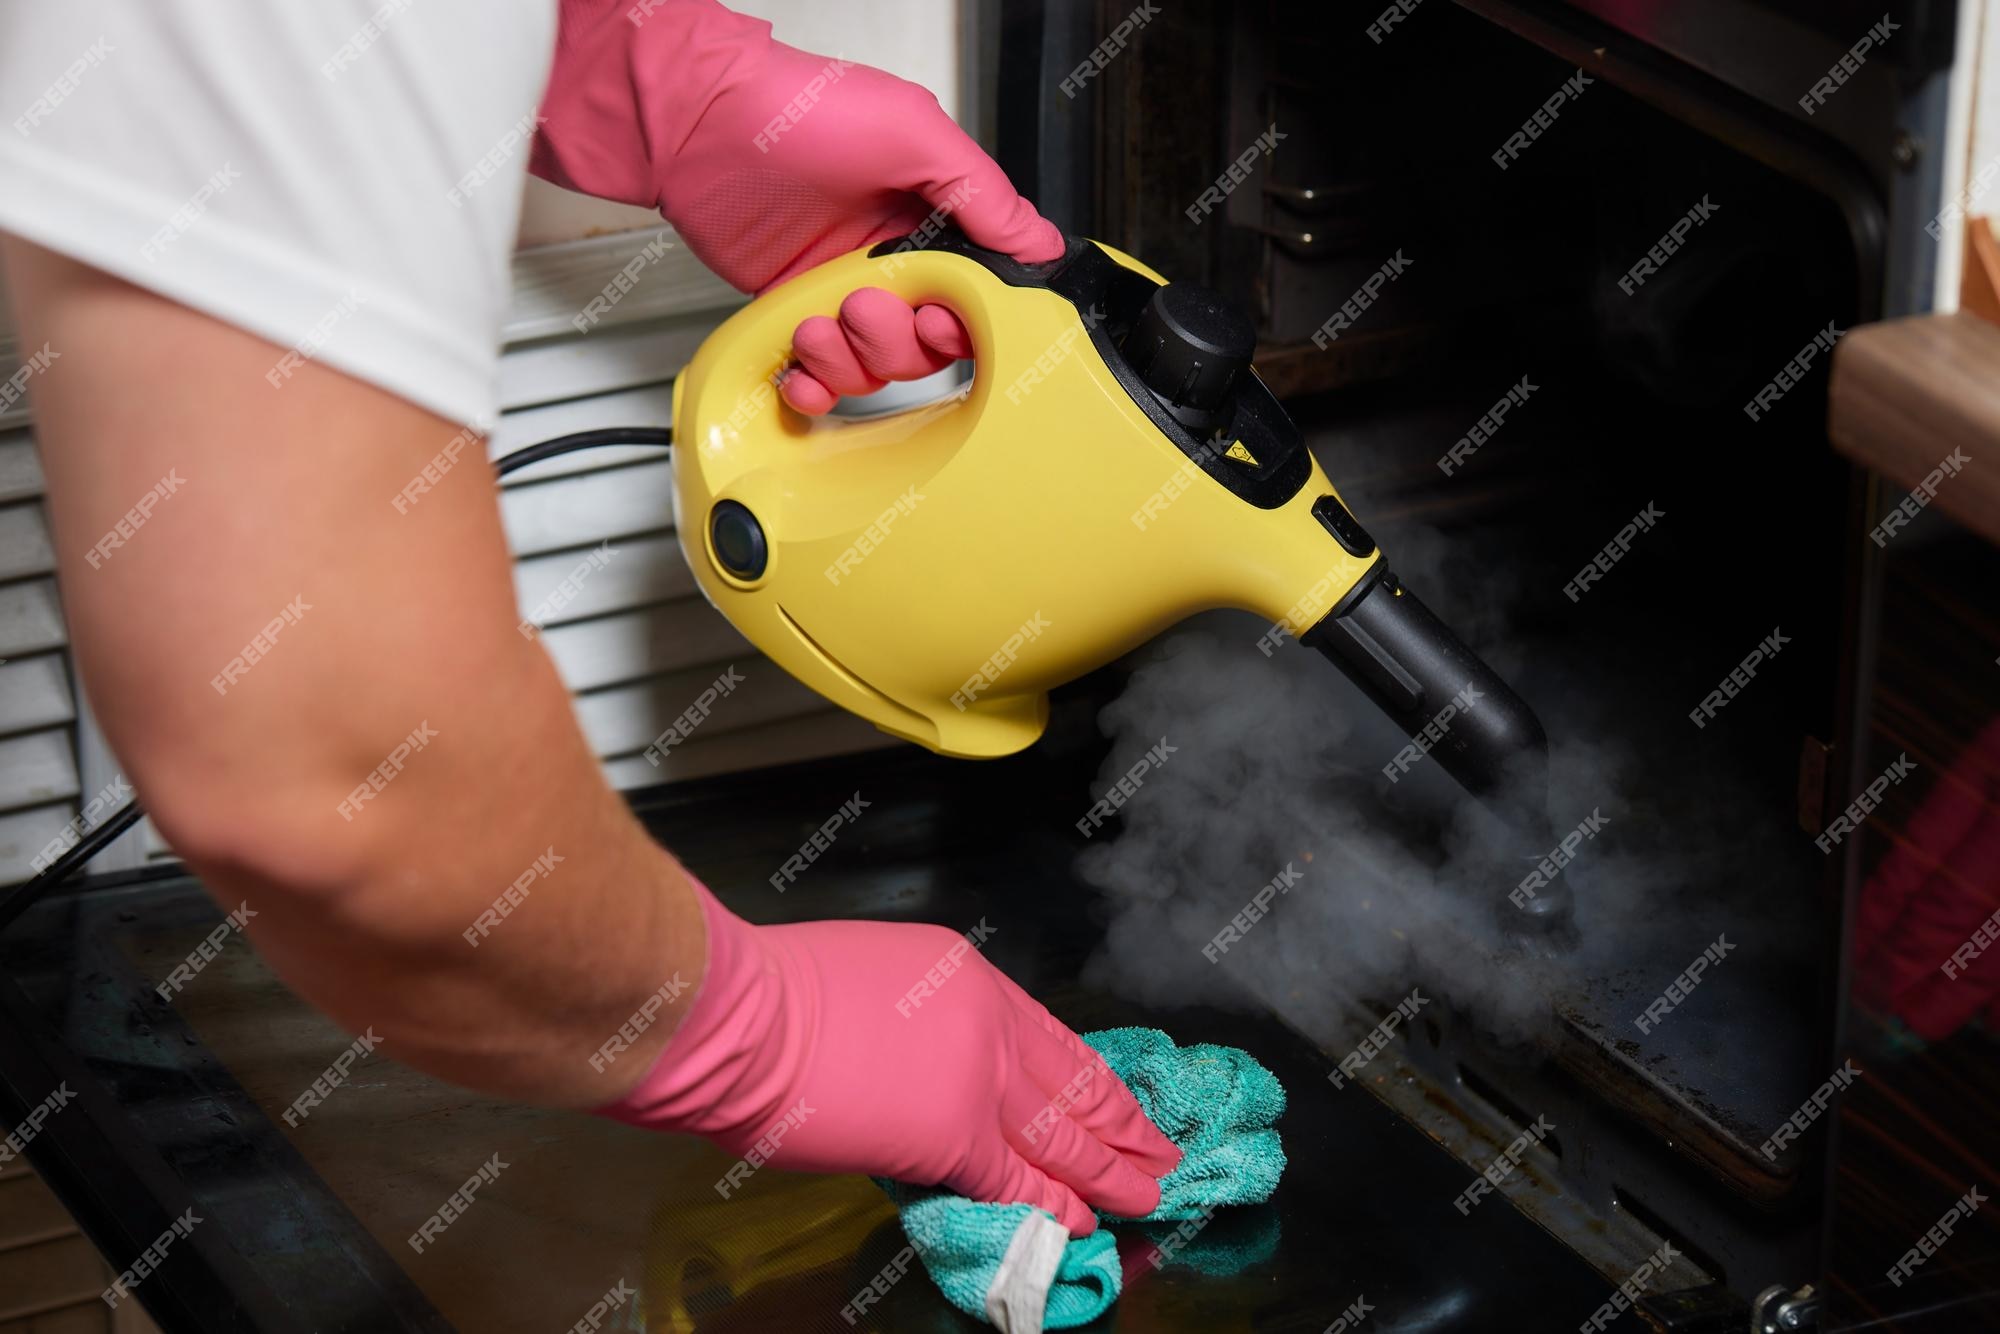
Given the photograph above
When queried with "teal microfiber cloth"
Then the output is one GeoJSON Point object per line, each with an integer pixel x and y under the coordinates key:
{"type": "Point", "coordinates": [1015, 1266]}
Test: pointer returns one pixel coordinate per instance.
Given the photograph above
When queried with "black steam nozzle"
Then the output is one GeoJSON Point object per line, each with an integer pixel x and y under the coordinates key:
{"type": "Point", "coordinates": [1188, 345]}
{"type": "Point", "coordinates": [1547, 918]}
{"type": "Point", "coordinates": [1457, 712]}
{"type": "Point", "coordinates": [1455, 708]}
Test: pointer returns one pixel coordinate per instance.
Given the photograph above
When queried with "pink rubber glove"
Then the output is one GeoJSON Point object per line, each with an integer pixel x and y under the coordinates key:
{"type": "Point", "coordinates": [1932, 893]}
{"type": "Point", "coordinates": [769, 161]}
{"type": "Point", "coordinates": [808, 1037]}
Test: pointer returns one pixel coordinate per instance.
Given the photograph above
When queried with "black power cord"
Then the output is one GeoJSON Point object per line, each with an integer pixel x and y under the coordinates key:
{"type": "Point", "coordinates": [569, 444]}
{"type": "Point", "coordinates": [100, 836]}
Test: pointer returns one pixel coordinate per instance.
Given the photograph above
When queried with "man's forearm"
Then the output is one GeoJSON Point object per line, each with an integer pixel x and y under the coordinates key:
{"type": "Point", "coordinates": [509, 927]}
{"type": "Point", "coordinates": [400, 757]}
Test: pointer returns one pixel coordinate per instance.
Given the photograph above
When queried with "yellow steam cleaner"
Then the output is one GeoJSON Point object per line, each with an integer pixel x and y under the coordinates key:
{"type": "Point", "coordinates": [1113, 467]}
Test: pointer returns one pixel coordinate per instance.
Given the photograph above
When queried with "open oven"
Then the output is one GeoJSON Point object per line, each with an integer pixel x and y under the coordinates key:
{"type": "Point", "coordinates": [1543, 282]}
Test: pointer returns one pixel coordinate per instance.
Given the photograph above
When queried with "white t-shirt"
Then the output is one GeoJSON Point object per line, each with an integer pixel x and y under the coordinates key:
{"type": "Point", "coordinates": [342, 177]}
